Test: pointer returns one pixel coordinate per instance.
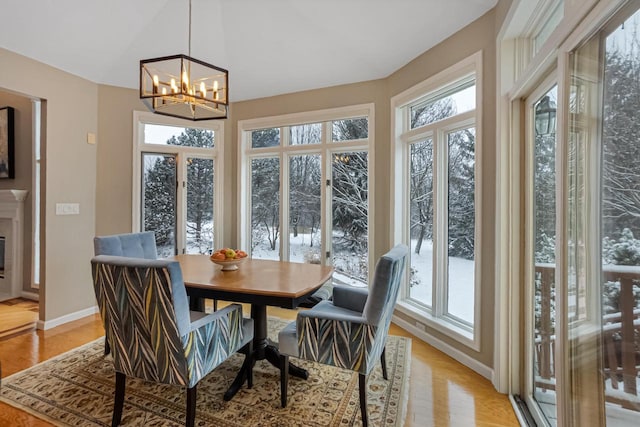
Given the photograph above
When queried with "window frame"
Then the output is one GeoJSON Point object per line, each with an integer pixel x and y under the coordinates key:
{"type": "Point", "coordinates": [142, 118]}
{"type": "Point", "coordinates": [402, 136]}
{"type": "Point", "coordinates": [284, 151]}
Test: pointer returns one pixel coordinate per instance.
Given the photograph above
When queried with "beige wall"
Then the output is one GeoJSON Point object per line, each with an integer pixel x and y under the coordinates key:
{"type": "Point", "coordinates": [68, 176]}
{"type": "Point", "coordinates": [23, 151]}
{"type": "Point", "coordinates": [115, 158]}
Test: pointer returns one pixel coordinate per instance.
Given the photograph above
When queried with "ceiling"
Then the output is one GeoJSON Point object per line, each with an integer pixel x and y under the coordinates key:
{"type": "Point", "coordinates": [270, 47]}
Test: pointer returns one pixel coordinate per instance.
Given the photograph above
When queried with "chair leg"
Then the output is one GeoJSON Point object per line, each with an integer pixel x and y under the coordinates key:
{"type": "Point", "coordinates": [118, 402]}
{"type": "Point", "coordinates": [363, 398]}
{"type": "Point", "coordinates": [383, 361]}
{"type": "Point", "coordinates": [191, 406]}
{"type": "Point", "coordinates": [107, 347]}
{"type": "Point", "coordinates": [284, 379]}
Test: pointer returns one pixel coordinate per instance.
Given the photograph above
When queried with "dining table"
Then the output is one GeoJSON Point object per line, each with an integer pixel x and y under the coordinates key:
{"type": "Point", "coordinates": [260, 283]}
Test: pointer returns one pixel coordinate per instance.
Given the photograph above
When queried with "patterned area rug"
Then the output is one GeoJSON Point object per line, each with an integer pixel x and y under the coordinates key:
{"type": "Point", "coordinates": [76, 389]}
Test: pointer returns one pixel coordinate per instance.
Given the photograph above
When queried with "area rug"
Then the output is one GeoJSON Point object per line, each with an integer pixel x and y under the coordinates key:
{"type": "Point", "coordinates": [76, 389]}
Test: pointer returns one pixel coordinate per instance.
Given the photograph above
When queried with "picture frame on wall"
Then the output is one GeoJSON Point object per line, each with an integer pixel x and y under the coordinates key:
{"type": "Point", "coordinates": [7, 136]}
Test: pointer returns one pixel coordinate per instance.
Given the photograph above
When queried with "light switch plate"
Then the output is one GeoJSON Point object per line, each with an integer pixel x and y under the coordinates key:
{"type": "Point", "coordinates": [67, 208]}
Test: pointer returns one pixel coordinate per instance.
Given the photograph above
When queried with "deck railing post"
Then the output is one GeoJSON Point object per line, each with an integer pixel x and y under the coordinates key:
{"type": "Point", "coordinates": [627, 305]}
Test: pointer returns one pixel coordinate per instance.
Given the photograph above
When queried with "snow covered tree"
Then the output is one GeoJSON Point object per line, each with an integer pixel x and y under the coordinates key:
{"type": "Point", "coordinates": [304, 194]}
{"type": "Point", "coordinates": [349, 182]}
{"type": "Point", "coordinates": [265, 201]}
{"type": "Point", "coordinates": [461, 197]}
{"type": "Point", "coordinates": [350, 187]}
{"type": "Point", "coordinates": [621, 134]}
{"type": "Point", "coordinates": [265, 190]}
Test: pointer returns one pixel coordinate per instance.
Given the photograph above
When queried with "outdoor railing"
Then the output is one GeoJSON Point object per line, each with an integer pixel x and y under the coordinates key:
{"type": "Point", "coordinates": [620, 336]}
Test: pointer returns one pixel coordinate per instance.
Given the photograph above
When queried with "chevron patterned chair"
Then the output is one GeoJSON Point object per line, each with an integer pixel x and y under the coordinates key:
{"type": "Point", "coordinates": [349, 332]}
{"type": "Point", "coordinates": [132, 245]}
{"type": "Point", "coordinates": [154, 336]}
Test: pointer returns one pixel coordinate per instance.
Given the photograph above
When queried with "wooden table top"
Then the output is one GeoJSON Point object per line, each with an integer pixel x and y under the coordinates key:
{"type": "Point", "coordinates": [254, 276]}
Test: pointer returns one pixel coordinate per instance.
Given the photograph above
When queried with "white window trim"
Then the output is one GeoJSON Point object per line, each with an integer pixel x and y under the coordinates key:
{"type": "Point", "coordinates": [580, 18]}
{"type": "Point", "coordinates": [245, 152]}
{"type": "Point", "coordinates": [216, 153]}
{"type": "Point", "coordinates": [400, 188]}
{"type": "Point", "coordinates": [36, 200]}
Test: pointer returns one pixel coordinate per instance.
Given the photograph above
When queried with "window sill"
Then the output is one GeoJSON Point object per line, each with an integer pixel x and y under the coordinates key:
{"type": "Point", "coordinates": [451, 330]}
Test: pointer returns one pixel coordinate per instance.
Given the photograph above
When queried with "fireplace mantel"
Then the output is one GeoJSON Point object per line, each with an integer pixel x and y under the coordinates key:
{"type": "Point", "coordinates": [13, 195]}
{"type": "Point", "coordinates": [11, 228]}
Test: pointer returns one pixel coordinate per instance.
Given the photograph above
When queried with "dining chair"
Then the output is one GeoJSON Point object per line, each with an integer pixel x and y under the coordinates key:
{"type": "Point", "coordinates": [349, 332]}
{"type": "Point", "coordinates": [133, 245]}
{"type": "Point", "coordinates": [154, 336]}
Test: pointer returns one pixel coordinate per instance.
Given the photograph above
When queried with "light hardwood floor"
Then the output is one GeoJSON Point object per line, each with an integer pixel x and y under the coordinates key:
{"type": "Point", "coordinates": [442, 391]}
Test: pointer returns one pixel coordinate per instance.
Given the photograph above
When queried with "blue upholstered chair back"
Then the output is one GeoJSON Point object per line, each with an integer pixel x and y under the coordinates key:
{"type": "Point", "coordinates": [134, 245]}
{"type": "Point", "coordinates": [384, 289]}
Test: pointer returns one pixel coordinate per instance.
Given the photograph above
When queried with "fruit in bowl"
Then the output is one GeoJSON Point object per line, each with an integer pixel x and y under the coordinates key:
{"type": "Point", "coordinates": [228, 258]}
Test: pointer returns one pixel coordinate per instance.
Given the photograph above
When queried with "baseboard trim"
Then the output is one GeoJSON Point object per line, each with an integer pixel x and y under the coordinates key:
{"type": "Point", "coordinates": [34, 296]}
{"type": "Point", "coordinates": [447, 349]}
{"type": "Point", "coordinates": [48, 324]}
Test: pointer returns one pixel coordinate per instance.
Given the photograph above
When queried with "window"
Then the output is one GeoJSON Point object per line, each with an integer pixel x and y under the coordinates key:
{"type": "Point", "coordinates": [435, 199]}
{"type": "Point", "coordinates": [306, 185]}
{"type": "Point", "coordinates": [176, 170]}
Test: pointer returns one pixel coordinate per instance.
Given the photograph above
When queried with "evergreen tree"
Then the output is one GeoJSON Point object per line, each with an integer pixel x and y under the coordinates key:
{"type": "Point", "coordinates": [159, 201]}
{"type": "Point", "coordinates": [461, 197]}
{"type": "Point", "coordinates": [160, 193]}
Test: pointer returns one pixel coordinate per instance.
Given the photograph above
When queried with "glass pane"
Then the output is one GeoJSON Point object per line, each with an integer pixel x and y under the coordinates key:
{"type": "Point", "coordinates": [548, 26]}
{"type": "Point", "coordinates": [171, 135]}
{"type": "Point", "coordinates": [584, 387]}
{"type": "Point", "coordinates": [265, 208]}
{"type": "Point", "coordinates": [306, 134]}
{"type": "Point", "coordinates": [421, 222]}
{"type": "Point", "coordinates": [199, 206]}
{"type": "Point", "coordinates": [461, 228]}
{"type": "Point", "coordinates": [265, 138]}
{"type": "Point", "coordinates": [349, 200]}
{"type": "Point", "coordinates": [159, 200]}
{"type": "Point", "coordinates": [304, 209]}
{"type": "Point", "coordinates": [455, 101]}
{"type": "Point", "coordinates": [544, 240]}
{"type": "Point", "coordinates": [620, 224]}
{"type": "Point", "coordinates": [349, 129]}
{"type": "Point", "coordinates": [604, 249]}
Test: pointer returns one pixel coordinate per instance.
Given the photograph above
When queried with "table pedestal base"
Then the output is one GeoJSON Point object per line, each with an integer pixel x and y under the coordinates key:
{"type": "Point", "coordinates": [263, 348]}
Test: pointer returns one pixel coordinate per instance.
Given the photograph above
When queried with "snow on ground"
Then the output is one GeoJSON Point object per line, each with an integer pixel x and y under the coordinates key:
{"type": "Point", "coordinates": [461, 281]}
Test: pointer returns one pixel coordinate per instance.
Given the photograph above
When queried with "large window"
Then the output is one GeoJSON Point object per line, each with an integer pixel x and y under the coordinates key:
{"type": "Point", "coordinates": [176, 183]}
{"type": "Point", "coordinates": [436, 201]}
{"type": "Point", "coordinates": [577, 281]}
{"type": "Point", "coordinates": [305, 180]}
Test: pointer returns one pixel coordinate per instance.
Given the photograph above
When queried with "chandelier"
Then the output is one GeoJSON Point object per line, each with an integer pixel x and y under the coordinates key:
{"type": "Point", "coordinates": [184, 87]}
